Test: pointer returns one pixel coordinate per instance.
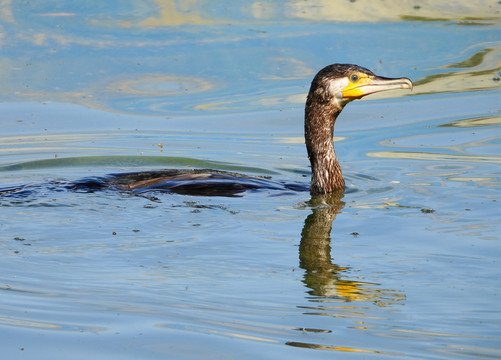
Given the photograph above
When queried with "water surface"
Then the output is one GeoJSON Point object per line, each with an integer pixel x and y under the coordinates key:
{"type": "Point", "coordinates": [404, 264]}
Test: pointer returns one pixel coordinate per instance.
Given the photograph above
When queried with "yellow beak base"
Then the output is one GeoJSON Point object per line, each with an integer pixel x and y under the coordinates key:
{"type": "Point", "coordinates": [366, 85]}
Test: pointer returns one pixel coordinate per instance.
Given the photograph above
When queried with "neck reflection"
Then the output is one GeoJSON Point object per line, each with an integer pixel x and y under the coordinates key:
{"type": "Point", "coordinates": [323, 277]}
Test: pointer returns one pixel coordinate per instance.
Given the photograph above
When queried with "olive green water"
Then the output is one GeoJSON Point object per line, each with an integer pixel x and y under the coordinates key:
{"type": "Point", "coordinates": [405, 264]}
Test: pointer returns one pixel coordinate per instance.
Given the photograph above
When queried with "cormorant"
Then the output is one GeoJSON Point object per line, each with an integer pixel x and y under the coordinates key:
{"type": "Point", "coordinates": [331, 89]}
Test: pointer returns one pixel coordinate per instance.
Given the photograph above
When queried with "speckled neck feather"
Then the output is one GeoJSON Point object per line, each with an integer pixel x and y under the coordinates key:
{"type": "Point", "coordinates": [320, 117]}
{"type": "Point", "coordinates": [321, 112]}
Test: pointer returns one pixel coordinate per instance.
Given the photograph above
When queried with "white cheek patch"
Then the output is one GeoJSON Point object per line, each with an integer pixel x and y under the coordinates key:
{"type": "Point", "coordinates": [335, 88]}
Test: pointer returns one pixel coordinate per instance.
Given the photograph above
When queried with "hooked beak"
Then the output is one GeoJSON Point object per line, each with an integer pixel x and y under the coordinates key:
{"type": "Point", "coordinates": [372, 84]}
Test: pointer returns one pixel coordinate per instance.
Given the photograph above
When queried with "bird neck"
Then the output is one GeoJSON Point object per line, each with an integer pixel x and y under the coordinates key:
{"type": "Point", "coordinates": [326, 175]}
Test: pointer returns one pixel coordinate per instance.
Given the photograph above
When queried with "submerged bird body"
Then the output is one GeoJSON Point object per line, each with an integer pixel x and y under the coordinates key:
{"type": "Point", "coordinates": [331, 89]}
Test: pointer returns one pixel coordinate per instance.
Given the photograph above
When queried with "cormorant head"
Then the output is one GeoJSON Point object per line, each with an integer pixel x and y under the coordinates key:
{"type": "Point", "coordinates": [342, 83]}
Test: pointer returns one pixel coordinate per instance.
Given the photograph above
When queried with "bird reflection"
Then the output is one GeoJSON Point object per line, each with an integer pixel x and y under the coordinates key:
{"type": "Point", "coordinates": [315, 245]}
{"type": "Point", "coordinates": [322, 276]}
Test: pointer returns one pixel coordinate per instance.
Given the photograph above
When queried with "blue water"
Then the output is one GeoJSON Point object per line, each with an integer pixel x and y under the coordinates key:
{"type": "Point", "coordinates": [404, 265]}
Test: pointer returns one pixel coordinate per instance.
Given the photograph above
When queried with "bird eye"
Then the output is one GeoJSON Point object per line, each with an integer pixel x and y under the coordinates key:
{"type": "Point", "coordinates": [354, 78]}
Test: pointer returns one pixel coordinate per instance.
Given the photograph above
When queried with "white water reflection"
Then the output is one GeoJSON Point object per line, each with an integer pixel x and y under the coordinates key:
{"type": "Point", "coordinates": [198, 69]}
